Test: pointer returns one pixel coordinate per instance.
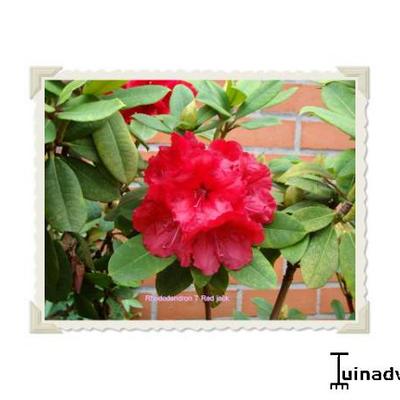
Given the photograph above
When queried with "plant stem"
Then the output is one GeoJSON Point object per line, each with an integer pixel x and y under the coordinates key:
{"type": "Point", "coordinates": [207, 304]}
{"type": "Point", "coordinates": [346, 293]}
{"type": "Point", "coordinates": [286, 282]}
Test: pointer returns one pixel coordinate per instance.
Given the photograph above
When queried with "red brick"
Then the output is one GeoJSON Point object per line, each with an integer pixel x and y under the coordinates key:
{"type": "Point", "coordinates": [329, 294]}
{"type": "Point", "coordinates": [147, 154]}
{"type": "Point", "coordinates": [304, 300]}
{"type": "Point", "coordinates": [149, 281]}
{"type": "Point", "coordinates": [306, 95]}
{"type": "Point", "coordinates": [195, 309]}
{"type": "Point", "coordinates": [272, 136]}
{"type": "Point", "coordinates": [320, 135]}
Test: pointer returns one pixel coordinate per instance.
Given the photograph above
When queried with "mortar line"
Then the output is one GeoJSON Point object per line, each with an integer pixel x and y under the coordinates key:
{"type": "Point", "coordinates": [297, 135]}
{"type": "Point", "coordinates": [318, 304]}
{"type": "Point", "coordinates": [239, 300]}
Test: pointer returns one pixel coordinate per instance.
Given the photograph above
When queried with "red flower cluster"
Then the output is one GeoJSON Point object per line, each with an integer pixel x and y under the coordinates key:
{"type": "Point", "coordinates": [205, 205]}
{"type": "Point", "coordinates": [162, 106]}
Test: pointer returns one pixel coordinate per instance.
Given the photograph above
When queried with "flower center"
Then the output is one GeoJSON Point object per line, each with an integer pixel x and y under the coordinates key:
{"type": "Point", "coordinates": [200, 194]}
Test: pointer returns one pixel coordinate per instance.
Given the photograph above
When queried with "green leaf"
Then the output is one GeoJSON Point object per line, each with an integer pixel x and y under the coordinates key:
{"type": "Point", "coordinates": [281, 97]}
{"type": "Point", "coordinates": [99, 279]}
{"type": "Point", "coordinates": [65, 208]}
{"type": "Point", "coordinates": [302, 169]}
{"type": "Point", "coordinates": [279, 165]}
{"type": "Point", "coordinates": [259, 274]}
{"type": "Point", "coordinates": [314, 218]}
{"type": "Point", "coordinates": [340, 99]}
{"type": "Point", "coordinates": [92, 111]}
{"type": "Point", "coordinates": [80, 130]}
{"type": "Point", "coordinates": [219, 282]}
{"type": "Point", "coordinates": [347, 261]}
{"type": "Point", "coordinates": [68, 90]}
{"type": "Point", "coordinates": [101, 86]}
{"type": "Point", "coordinates": [140, 95]}
{"type": "Point", "coordinates": [64, 284]}
{"type": "Point", "coordinates": [344, 165]}
{"type": "Point", "coordinates": [300, 205]}
{"type": "Point", "coordinates": [181, 97]}
{"type": "Point", "coordinates": [247, 86]}
{"type": "Point", "coordinates": [344, 123]}
{"type": "Point", "coordinates": [204, 114]}
{"type": "Point", "coordinates": [259, 98]}
{"type": "Point", "coordinates": [116, 149]}
{"type": "Point", "coordinates": [54, 86]}
{"type": "Point", "coordinates": [316, 188]}
{"type": "Point", "coordinates": [152, 122]}
{"type": "Point", "coordinates": [238, 315]}
{"type": "Point", "coordinates": [199, 279]}
{"type": "Point", "coordinates": [173, 280]}
{"type": "Point", "coordinates": [84, 148]}
{"type": "Point", "coordinates": [49, 131]}
{"type": "Point", "coordinates": [338, 309]}
{"type": "Point", "coordinates": [95, 184]}
{"type": "Point", "coordinates": [85, 307]}
{"type": "Point", "coordinates": [215, 97]}
{"type": "Point", "coordinates": [284, 231]}
{"type": "Point", "coordinates": [134, 303]}
{"type": "Point", "coordinates": [264, 309]}
{"type": "Point", "coordinates": [260, 123]}
{"type": "Point", "coordinates": [294, 252]}
{"type": "Point", "coordinates": [131, 263]}
{"type": "Point", "coordinates": [235, 96]}
{"type": "Point", "coordinates": [127, 204]}
{"type": "Point", "coordinates": [295, 314]}
{"type": "Point", "coordinates": [141, 131]}
{"type": "Point", "coordinates": [49, 109]}
{"type": "Point", "coordinates": [321, 258]}
{"type": "Point", "coordinates": [83, 251]}
{"type": "Point", "coordinates": [116, 311]}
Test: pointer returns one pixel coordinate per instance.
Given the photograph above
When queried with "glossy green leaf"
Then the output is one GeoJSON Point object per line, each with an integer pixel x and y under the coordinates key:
{"type": "Point", "coordinates": [316, 188]}
{"type": "Point", "coordinates": [314, 218]}
{"type": "Point", "coordinates": [342, 122]}
{"type": "Point", "coordinates": [49, 131]}
{"type": "Point", "coordinates": [64, 203]}
{"type": "Point", "coordinates": [95, 184]}
{"type": "Point", "coordinates": [260, 123]}
{"type": "Point", "coordinates": [80, 130]}
{"type": "Point", "coordinates": [67, 91]}
{"type": "Point", "coordinates": [141, 131]}
{"type": "Point", "coordinates": [339, 98]}
{"type": "Point", "coordinates": [64, 283]}
{"type": "Point", "coordinates": [235, 96]}
{"type": "Point", "coordinates": [53, 86]}
{"type": "Point", "coordinates": [284, 231]}
{"type": "Point", "coordinates": [199, 279]}
{"type": "Point", "coordinates": [84, 148]}
{"type": "Point", "coordinates": [181, 97]}
{"type": "Point", "coordinates": [92, 111]}
{"type": "Point", "coordinates": [337, 308]}
{"type": "Point", "coordinates": [116, 149]}
{"type": "Point", "coordinates": [302, 169]}
{"type": "Point", "coordinates": [347, 261]}
{"type": "Point", "coordinates": [101, 86]}
{"type": "Point", "coordinates": [152, 122]}
{"type": "Point", "coordinates": [219, 282]}
{"type": "Point", "coordinates": [281, 97]}
{"type": "Point", "coordinates": [173, 280]}
{"type": "Point", "coordinates": [140, 95]}
{"type": "Point", "coordinates": [259, 274]}
{"type": "Point", "coordinates": [131, 263]}
{"type": "Point", "coordinates": [294, 252]}
{"type": "Point", "coordinates": [247, 86]}
{"type": "Point", "coordinates": [214, 97]}
{"type": "Point", "coordinates": [321, 258]}
{"type": "Point", "coordinates": [300, 205]}
{"type": "Point", "coordinates": [204, 114]}
{"type": "Point", "coordinates": [264, 309]}
{"type": "Point", "coordinates": [259, 98]}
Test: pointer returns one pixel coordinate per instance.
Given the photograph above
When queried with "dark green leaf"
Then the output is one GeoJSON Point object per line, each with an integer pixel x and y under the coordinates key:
{"type": "Point", "coordinates": [84, 148]}
{"type": "Point", "coordinates": [49, 131]}
{"type": "Point", "coordinates": [116, 149]}
{"type": "Point", "coordinates": [95, 184]}
{"type": "Point", "coordinates": [65, 206]}
{"type": "Point", "coordinates": [99, 279]}
{"type": "Point", "coordinates": [199, 279]}
{"type": "Point", "coordinates": [173, 280]}
{"type": "Point", "coordinates": [51, 267]}
{"type": "Point", "coordinates": [338, 309]}
{"type": "Point", "coordinates": [219, 282]}
{"type": "Point", "coordinates": [85, 307]}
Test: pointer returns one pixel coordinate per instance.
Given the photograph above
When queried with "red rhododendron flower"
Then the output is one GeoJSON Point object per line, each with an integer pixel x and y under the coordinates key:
{"type": "Point", "coordinates": [162, 106]}
{"type": "Point", "coordinates": [205, 205]}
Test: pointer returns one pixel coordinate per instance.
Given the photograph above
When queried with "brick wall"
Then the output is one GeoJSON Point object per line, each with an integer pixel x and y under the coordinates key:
{"type": "Point", "coordinates": [298, 135]}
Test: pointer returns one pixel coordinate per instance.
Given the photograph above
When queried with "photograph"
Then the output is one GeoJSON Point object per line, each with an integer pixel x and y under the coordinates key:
{"type": "Point", "coordinates": [200, 199]}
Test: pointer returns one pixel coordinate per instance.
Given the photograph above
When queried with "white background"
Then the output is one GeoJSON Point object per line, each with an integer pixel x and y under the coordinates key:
{"type": "Point", "coordinates": [217, 35]}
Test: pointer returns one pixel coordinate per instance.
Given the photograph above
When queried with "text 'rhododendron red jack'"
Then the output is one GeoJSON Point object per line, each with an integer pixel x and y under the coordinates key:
{"type": "Point", "coordinates": [162, 106]}
{"type": "Point", "coordinates": [205, 205]}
